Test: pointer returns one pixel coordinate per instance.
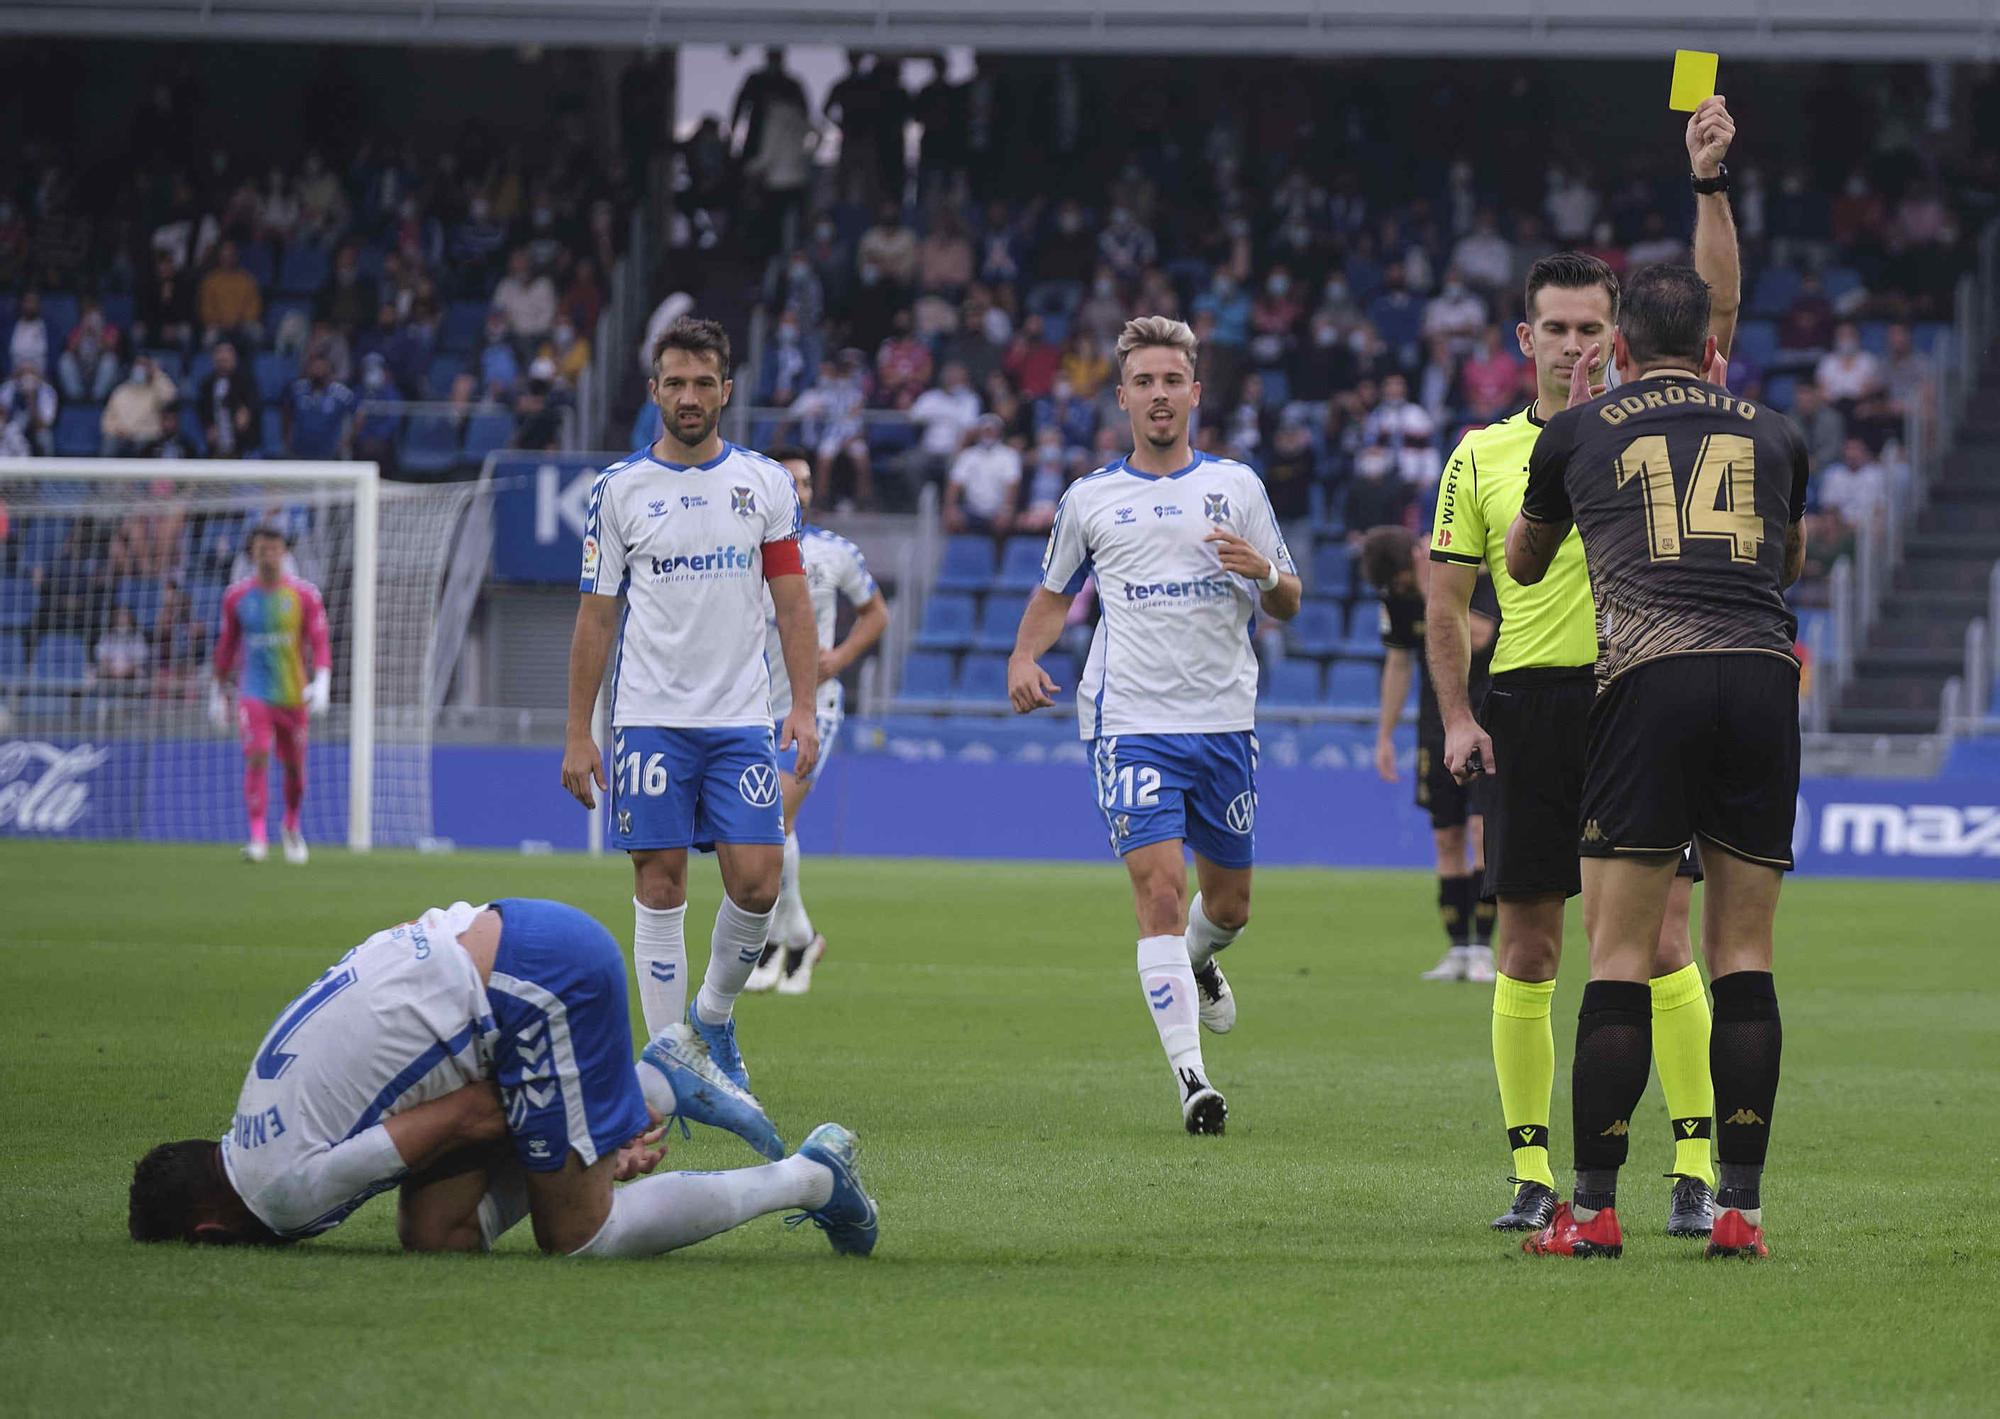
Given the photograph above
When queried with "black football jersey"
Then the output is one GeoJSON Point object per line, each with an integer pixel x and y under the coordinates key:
{"type": "Point", "coordinates": [1683, 494]}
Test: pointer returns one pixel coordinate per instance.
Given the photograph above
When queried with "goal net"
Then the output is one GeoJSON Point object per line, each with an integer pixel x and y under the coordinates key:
{"type": "Point", "coordinates": [113, 579]}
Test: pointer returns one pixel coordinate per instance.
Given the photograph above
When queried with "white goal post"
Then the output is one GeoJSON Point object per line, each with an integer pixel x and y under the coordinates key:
{"type": "Point", "coordinates": [111, 580]}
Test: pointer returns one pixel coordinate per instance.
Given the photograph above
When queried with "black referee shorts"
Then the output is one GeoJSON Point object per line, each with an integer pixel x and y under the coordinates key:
{"type": "Point", "coordinates": [1537, 719]}
{"type": "Point", "coordinates": [1448, 801]}
{"type": "Point", "coordinates": [1703, 745]}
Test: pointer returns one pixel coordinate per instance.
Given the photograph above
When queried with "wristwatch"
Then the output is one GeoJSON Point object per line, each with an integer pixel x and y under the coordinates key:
{"type": "Point", "coordinates": [1707, 185]}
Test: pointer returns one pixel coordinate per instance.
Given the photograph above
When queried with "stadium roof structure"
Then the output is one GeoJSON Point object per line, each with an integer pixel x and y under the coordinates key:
{"type": "Point", "coordinates": [1853, 30]}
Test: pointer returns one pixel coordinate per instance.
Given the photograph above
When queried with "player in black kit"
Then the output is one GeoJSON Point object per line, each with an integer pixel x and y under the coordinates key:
{"type": "Point", "coordinates": [1688, 501]}
{"type": "Point", "coordinates": [1390, 564]}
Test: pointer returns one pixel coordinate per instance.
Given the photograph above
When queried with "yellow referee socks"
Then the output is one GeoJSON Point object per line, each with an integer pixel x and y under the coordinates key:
{"type": "Point", "coordinates": [1524, 1061]}
{"type": "Point", "coordinates": [1680, 1047]}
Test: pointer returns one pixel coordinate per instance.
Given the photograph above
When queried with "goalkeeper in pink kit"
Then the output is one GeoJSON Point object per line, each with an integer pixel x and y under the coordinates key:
{"type": "Point", "coordinates": [274, 645]}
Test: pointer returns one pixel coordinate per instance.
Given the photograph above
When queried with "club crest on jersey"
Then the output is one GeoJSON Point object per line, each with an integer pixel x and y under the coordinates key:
{"type": "Point", "coordinates": [657, 508]}
{"type": "Point", "coordinates": [742, 502]}
{"type": "Point", "coordinates": [1215, 506]}
{"type": "Point", "coordinates": [1126, 517]}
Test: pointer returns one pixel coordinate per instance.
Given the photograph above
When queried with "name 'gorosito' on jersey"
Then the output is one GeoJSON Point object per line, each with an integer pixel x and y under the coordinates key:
{"type": "Point", "coordinates": [1172, 652]}
{"type": "Point", "coordinates": [835, 569]}
{"type": "Point", "coordinates": [398, 1021]}
{"type": "Point", "coordinates": [1682, 493]}
{"type": "Point", "coordinates": [684, 544]}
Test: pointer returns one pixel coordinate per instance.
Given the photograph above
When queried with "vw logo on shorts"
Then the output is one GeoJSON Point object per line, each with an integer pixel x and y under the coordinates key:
{"type": "Point", "coordinates": [1242, 813]}
{"type": "Point", "coordinates": [759, 785]}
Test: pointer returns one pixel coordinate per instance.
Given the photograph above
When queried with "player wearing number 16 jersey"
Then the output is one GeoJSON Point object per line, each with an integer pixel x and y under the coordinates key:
{"type": "Point", "coordinates": [1186, 551]}
{"type": "Point", "coordinates": [1689, 502]}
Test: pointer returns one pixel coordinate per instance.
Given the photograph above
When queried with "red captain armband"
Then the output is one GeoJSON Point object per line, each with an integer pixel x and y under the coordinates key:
{"type": "Point", "coordinates": [783, 559]}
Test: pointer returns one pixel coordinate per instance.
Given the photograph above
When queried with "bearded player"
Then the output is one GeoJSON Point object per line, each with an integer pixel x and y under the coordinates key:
{"type": "Point", "coordinates": [1186, 552]}
{"type": "Point", "coordinates": [274, 647]}
{"type": "Point", "coordinates": [835, 571]}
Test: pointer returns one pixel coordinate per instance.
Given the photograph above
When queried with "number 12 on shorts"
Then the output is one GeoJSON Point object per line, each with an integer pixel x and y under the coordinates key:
{"type": "Point", "coordinates": [648, 779]}
{"type": "Point", "coordinates": [1136, 787]}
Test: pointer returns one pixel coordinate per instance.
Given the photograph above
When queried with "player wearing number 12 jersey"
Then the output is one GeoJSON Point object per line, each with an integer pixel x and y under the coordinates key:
{"type": "Point", "coordinates": [1186, 551]}
{"type": "Point", "coordinates": [1689, 502]}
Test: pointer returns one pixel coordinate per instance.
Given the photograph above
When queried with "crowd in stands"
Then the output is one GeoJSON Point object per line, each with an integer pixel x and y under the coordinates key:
{"type": "Point", "coordinates": [293, 309]}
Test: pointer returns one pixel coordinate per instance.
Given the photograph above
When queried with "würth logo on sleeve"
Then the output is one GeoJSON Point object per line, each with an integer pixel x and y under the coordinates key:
{"type": "Point", "coordinates": [742, 502]}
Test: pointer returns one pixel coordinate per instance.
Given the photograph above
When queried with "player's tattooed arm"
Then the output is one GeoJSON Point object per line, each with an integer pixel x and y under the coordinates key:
{"type": "Point", "coordinates": [1531, 547]}
{"type": "Point", "coordinates": [1795, 552]}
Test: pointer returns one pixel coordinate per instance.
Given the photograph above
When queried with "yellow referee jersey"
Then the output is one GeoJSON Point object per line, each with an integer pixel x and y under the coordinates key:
{"type": "Point", "coordinates": [1550, 624]}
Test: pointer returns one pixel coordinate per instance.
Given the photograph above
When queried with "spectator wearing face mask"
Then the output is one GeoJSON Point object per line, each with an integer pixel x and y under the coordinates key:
{"type": "Point", "coordinates": [318, 414]}
{"type": "Point", "coordinates": [903, 364]}
{"type": "Point", "coordinates": [526, 299]}
{"type": "Point", "coordinates": [1406, 431]}
{"type": "Point", "coordinates": [1456, 312]}
{"type": "Point", "coordinates": [979, 493]}
{"type": "Point", "coordinates": [28, 341]}
{"type": "Point", "coordinates": [944, 415]}
{"type": "Point", "coordinates": [1274, 320]}
{"type": "Point", "coordinates": [1046, 477]}
{"type": "Point", "coordinates": [228, 405]}
{"type": "Point", "coordinates": [28, 408]}
{"type": "Point", "coordinates": [567, 351]}
{"type": "Point", "coordinates": [476, 243]}
{"type": "Point", "coordinates": [1228, 307]}
{"type": "Point", "coordinates": [135, 418]}
{"type": "Point", "coordinates": [1847, 374]}
{"type": "Point", "coordinates": [88, 368]}
{"type": "Point", "coordinates": [229, 301]}
{"type": "Point", "coordinates": [1126, 246]}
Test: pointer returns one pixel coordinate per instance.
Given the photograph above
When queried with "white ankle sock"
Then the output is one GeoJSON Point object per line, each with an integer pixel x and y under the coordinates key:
{"type": "Point", "coordinates": [1167, 981]}
{"type": "Point", "coordinates": [732, 954]}
{"type": "Point", "coordinates": [505, 1203]}
{"type": "Point", "coordinates": [791, 927]}
{"type": "Point", "coordinates": [1204, 937]}
{"type": "Point", "coordinates": [670, 1210]}
{"type": "Point", "coordinates": [659, 957]}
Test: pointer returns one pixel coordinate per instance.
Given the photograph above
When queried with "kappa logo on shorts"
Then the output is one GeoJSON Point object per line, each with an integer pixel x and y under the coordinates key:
{"type": "Point", "coordinates": [1592, 833]}
{"type": "Point", "coordinates": [1619, 1129]}
{"type": "Point", "coordinates": [758, 785]}
{"type": "Point", "coordinates": [1242, 813]}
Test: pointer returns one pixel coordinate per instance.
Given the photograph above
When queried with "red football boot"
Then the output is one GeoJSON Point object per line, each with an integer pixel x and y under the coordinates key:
{"type": "Point", "coordinates": [1565, 1236]}
{"type": "Point", "coordinates": [1734, 1236]}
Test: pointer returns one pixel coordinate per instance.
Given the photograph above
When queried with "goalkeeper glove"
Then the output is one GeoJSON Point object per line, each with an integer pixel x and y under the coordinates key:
{"type": "Point", "coordinates": [218, 706]}
{"type": "Point", "coordinates": [319, 694]}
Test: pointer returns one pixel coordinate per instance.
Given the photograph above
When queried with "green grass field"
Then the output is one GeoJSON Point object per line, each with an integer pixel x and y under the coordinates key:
{"type": "Point", "coordinates": [1051, 1241]}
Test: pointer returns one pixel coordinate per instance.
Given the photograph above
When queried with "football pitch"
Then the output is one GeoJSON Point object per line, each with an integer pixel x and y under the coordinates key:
{"type": "Point", "coordinates": [1052, 1242]}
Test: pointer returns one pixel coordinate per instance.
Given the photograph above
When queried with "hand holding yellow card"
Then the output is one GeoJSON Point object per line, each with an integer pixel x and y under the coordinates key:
{"type": "Point", "coordinates": [1694, 80]}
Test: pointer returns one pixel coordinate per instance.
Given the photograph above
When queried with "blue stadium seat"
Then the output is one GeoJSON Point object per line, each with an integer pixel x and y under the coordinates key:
{"type": "Point", "coordinates": [1816, 630]}
{"type": "Point", "coordinates": [999, 619]}
{"type": "Point", "coordinates": [983, 678]}
{"type": "Point", "coordinates": [487, 431]}
{"type": "Point", "coordinates": [205, 602]}
{"type": "Point", "coordinates": [119, 310]}
{"type": "Point", "coordinates": [275, 373]}
{"type": "Point", "coordinates": [42, 541]}
{"type": "Point", "coordinates": [927, 676]}
{"type": "Point", "coordinates": [277, 312]}
{"type": "Point", "coordinates": [1290, 682]}
{"type": "Point", "coordinates": [198, 369]}
{"type": "Point", "coordinates": [79, 431]}
{"type": "Point", "coordinates": [948, 623]}
{"type": "Point", "coordinates": [1363, 640]}
{"type": "Point", "coordinates": [19, 596]}
{"type": "Point", "coordinates": [968, 564]}
{"type": "Point", "coordinates": [460, 329]}
{"type": "Point", "coordinates": [191, 429]}
{"type": "Point", "coordinates": [1781, 391]}
{"type": "Point", "coordinates": [169, 361]}
{"type": "Point", "coordinates": [1055, 329]}
{"type": "Point", "coordinates": [1020, 564]}
{"type": "Point", "coordinates": [430, 444]}
{"type": "Point", "coordinates": [1332, 570]}
{"type": "Point", "coordinates": [1875, 336]}
{"type": "Point", "coordinates": [13, 658]}
{"type": "Point", "coordinates": [1927, 334]}
{"type": "Point", "coordinates": [274, 433]}
{"type": "Point", "coordinates": [1065, 671]}
{"type": "Point", "coordinates": [304, 269]}
{"type": "Point", "coordinates": [62, 311]}
{"type": "Point", "coordinates": [1774, 292]}
{"type": "Point", "coordinates": [141, 596]}
{"type": "Point", "coordinates": [60, 659]}
{"type": "Point", "coordinates": [1354, 684]}
{"type": "Point", "coordinates": [260, 261]}
{"type": "Point", "coordinates": [1757, 342]}
{"type": "Point", "coordinates": [1277, 388]}
{"type": "Point", "coordinates": [1839, 282]}
{"type": "Point", "coordinates": [445, 367]}
{"type": "Point", "coordinates": [1317, 629]}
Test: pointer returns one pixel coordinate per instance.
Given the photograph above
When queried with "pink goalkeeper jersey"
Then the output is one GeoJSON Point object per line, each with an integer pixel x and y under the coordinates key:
{"type": "Point", "coordinates": [280, 634]}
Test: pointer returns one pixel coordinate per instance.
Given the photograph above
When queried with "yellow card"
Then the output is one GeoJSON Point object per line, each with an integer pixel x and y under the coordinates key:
{"type": "Point", "coordinates": [1694, 80]}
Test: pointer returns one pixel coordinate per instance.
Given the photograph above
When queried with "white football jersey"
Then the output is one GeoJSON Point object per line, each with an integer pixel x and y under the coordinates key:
{"type": "Point", "coordinates": [1172, 652]}
{"type": "Point", "coordinates": [399, 1020]}
{"type": "Point", "coordinates": [835, 568]}
{"type": "Point", "coordinates": [685, 547]}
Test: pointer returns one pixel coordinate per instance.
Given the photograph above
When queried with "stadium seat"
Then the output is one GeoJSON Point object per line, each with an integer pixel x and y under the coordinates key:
{"type": "Point", "coordinates": [287, 309]}
{"type": "Point", "coordinates": [118, 310]}
{"type": "Point", "coordinates": [205, 602]}
{"type": "Point", "coordinates": [13, 658]}
{"type": "Point", "coordinates": [1839, 282]}
{"type": "Point", "coordinates": [1317, 629]}
{"type": "Point", "coordinates": [1757, 342]}
{"type": "Point", "coordinates": [61, 659]}
{"type": "Point", "coordinates": [141, 596]}
{"type": "Point", "coordinates": [982, 678]}
{"type": "Point", "coordinates": [79, 431]}
{"type": "Point", "coordinates": [1781, 391]}
{"type": "Point", "coordinates": [460, 329]}
{"type": "Point", "coordinates": [1332, 570]}
{"type": "Point", "coordinates": [1774, 292]}
{"type": "Point", "coordinates": [999, 619]}
{"type": "Point", "coordinates": [62, 311]}
{"type": "Point", "coordinates": [968, 564]}
{"type": "Point", "coordinates": [1816, 631]}
{"type": "Point", "coordinates": [1020, 564]}
{"type": "Point", "coordinates": [446, 366]}
{"type": "Point", "coordinates": [1065, 671]}
{"type": "Point", "coordinates": [274, 433]}
{"type": "Point", "coordinates": [430, 444]}
{"type": "Point", "coordinates": [42, 541]}
{"type": "Point", "coordinates": [260, 261]}
{"type": "Point", "coordinates": [488, 430]}
{"type": "Point", "coordinates": [1354, 684]}
{"type": "Point", "coordinates": [927, 676]}
{"type": "Point", "coordinates": [170, 362]}
{"type": "Point", "coordinates": [304, 269]}
{"type": "Point", "coordinates": [275, 374]}
{"type": "Point", "coordinates": [1277, 388]}
{"type": "Point", "coordinates": [948, 624]}
{"type": "Point", "coordinates": [1363, 640]}
{"type": "Point", "coordinates": [19, 596]}
{"type": "Point", "coordinates": [1290, 682]}
{"type": "Point", "coordinates": [1875, 337]}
